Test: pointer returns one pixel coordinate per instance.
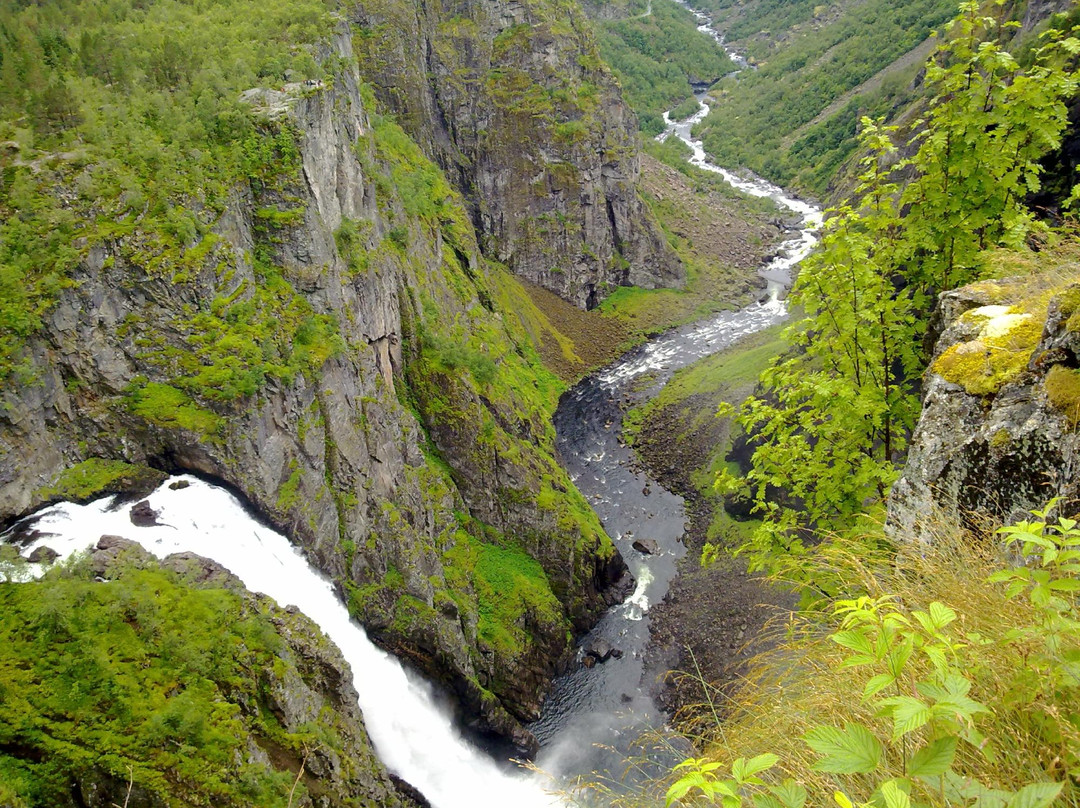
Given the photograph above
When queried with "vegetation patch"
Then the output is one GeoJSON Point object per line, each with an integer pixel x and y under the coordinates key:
{"type": "Point", "coordinates": [959, 686]}
{"type": "Point", "coordinates": [657, 53]}
{"type": "Point", "coordinates": [143, 681]}
{"type": "Point", "coordinates": [984, 365]}
{"type": "Point", "coordinates": [98, 476]}
{"type": "Point", "coordinates": [1063, 390]}
{"type": "Point", "coordinates": [807, 55]}
{"type": "Point", "coordinates": [116, 116]}
{"type": "Point", "coordinates": [169, 407]}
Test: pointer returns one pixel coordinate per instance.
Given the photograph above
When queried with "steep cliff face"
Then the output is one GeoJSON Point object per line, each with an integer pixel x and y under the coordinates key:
{"type": "Point", "coordinates": [511, 98]}
{"type": "Point", "coordinates": [1001, 403]}
{"type": "Point", "coordinates": [329, 349]}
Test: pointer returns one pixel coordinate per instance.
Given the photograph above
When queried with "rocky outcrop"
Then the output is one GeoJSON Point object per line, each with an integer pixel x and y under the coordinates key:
{"type": "Point", "coordinates": [997, 435]}
{"type": "Point", "coordinates": [326, 348]}
{"type": "Point", "coordinates": [305, 688]}
{"type": "Point", "coordinates": [513, 101]}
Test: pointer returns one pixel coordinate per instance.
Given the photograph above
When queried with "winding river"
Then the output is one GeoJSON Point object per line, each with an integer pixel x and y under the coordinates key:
{"type": "Point", "coordinates": [594, 715]}
{"type": "Point", "coordinates": [598, 718]}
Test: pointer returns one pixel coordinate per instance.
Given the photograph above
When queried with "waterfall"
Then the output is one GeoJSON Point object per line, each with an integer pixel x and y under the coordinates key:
{"type": "Point", "coordinates": [412, 735]}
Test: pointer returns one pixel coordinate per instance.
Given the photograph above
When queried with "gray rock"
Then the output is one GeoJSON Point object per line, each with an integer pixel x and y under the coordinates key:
{"type": "Point", "coordinates": [646, 546]}
{"type": "Point", "coordinates": [43, 555]}
{"type": "Point", "coordinates": [978, 460]}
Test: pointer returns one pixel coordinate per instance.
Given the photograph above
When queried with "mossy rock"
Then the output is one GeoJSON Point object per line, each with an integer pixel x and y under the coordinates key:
{"type": "Point", "coordinates": [98, 477]}
{"type": "Point", "coordinates": [1063, 389]}
{"type": "Point", "coordinates": [1006, 340]}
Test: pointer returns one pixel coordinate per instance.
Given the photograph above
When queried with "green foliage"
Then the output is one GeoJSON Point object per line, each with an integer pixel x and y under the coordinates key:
{"type": "Point", "coordinates": [118, 115]}
{"type": "Point", "coordinates": [656, 57]}
{"type": "Point", "coordinates": [419, 184]}
{"type": "Point", "coordinates": [166, 406]}
{"type": "Point", "coordinates": [926, 738]}
{"type": "Point", "coordinates": [837, 413]}
{"type": "Point", "coordinates": [840, 407]}
{"type": "Point", "coordinates": [990, 122]}
{"type": "Point", "coordinates": [94, 476]}
{"type": "Point", "coordinates": [806, 63]}
{"type": "Point", "coordinates": [140, 678]}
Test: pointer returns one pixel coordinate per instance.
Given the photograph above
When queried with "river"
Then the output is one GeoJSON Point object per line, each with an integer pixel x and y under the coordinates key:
{"type": "Point", "coordinates": [599, 719]}
{"type": "Point", "coordinates": [595, 715]}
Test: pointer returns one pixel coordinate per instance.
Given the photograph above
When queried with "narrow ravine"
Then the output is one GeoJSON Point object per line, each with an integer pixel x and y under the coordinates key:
{"type": "Point", "coordinates": [594, 715]}
{"type": "Point", "coordinates": [596, 718]}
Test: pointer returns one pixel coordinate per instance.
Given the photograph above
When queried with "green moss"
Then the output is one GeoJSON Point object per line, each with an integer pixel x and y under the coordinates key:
{"type": "Point", "coordinates": [166, 406]}
{"type": "Point", "coordinates": [98, 476]}
{"type": "Point", "coordinates": [1063, 389]}
{"type": "Point", "coordinates": [1001, 439]}
{"type": "Point", "coordinates": [512, 592]}
{"type": "Point", "coordinates": [984, 365]}
{"type": "Point", "coordinates": [289, 492]}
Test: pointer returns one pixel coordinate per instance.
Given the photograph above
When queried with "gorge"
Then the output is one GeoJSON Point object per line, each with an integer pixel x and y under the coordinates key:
{"type": "Point", "coordinates": [335, 305]}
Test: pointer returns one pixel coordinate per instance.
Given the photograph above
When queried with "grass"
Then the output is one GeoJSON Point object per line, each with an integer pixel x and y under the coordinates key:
{"type": "Point", "coordinates": [690, 401]}
{"type": "Point", "coordinates": [1031, 729]}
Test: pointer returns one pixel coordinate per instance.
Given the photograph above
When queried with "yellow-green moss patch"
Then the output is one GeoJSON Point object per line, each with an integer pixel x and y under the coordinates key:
{"type": "Point", "coordinates": [984, 365]}
{"type": "Point", "coordinates": [1063, 388]}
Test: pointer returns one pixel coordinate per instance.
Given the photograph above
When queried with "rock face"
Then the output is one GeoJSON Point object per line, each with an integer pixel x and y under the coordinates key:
{"type": "Point", "coordinates": [393, 453]}
{"type": "Point", "coordinates": [514, 102]}
{"type": "Point", "coordinates": [997, 435]}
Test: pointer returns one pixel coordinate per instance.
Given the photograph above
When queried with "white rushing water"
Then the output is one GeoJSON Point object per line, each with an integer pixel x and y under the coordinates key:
{"type": "Point", "coordinates": [412, 736]}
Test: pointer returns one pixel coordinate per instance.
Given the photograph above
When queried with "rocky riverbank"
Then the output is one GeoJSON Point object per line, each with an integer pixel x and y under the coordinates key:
{"type": "Point", "coordinates": [715, 617]}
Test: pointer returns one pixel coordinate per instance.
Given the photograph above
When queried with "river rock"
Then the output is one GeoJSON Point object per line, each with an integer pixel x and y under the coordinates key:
{"type": "Point", "coordinates": [142, 515]}
{"type": "Point", "coordinates": [112, 554]}
{"type": "Point", "coordinates": [601, 651]}
{"type": "Point", "coordinates": [43, 555]}
{"type": "Point", "coordinates": [203, 572]}
{"type": "Point", "coordinates": [179, 485]}
{"type": "Point", "coordinates": [646, 546]}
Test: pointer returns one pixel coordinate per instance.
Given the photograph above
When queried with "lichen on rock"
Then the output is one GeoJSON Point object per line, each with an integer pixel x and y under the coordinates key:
{"type": "Point", "coordinates": [997, 435]}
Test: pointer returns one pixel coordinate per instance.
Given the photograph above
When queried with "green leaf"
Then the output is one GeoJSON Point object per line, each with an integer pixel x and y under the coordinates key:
{"type": "Point", "coordinates": [934, 759]}
{"type": "Point", "coordinates": [851, 751]}
{"type": "Point", "coordinates": [908, 714]}
{"type": "Point", "coordinates": [894, 795]}
{"type": "Point", "coordinates": [877, 684]}
{"type": "Point", "coordinates": [743, 768]}
{"type": "Point", "coordinates": [790, 793]}
{"type": "Point", "coordinates": [767, 801]}
{"type": "Point", "coordinates": [1035, 795]}
{"type": "Point", "coordinates": [941, 614]}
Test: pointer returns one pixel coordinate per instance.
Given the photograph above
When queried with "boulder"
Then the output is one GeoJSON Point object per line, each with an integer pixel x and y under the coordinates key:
{"type": "Point", "coordinates": [646, 546]}
{"type": "Point", "coordinates": [142, 515]}
{"type": "Point", "coordinates": [43, 555]}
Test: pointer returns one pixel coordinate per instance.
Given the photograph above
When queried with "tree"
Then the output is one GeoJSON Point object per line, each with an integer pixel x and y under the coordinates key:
{"type": "Point", "coordinates": [839, 410]}
{"type": "Point", "coordinates": [836, 414]}
{"type": "Point", "coordinates": [989, 124]}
